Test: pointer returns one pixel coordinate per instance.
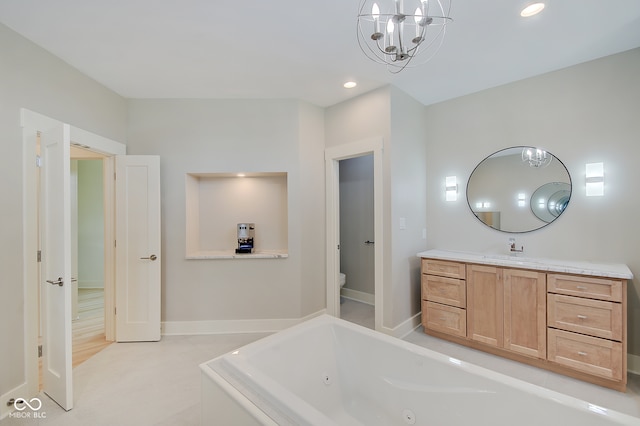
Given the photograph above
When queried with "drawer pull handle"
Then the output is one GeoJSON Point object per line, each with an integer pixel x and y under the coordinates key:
{"type": "Point", "coordinates": [581, 287]}
{"type": "Point", "coordinates": [582, 353]}
{"type": "Point", "coordinates": [582, 316]}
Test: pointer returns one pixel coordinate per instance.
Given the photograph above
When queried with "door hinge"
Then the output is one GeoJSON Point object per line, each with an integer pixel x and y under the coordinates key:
{"type": "Point", "coordinates": [39, 351]}
{"type": "Point", "coordinates": [39, 255]}
{"type": "Point", "coordinates": [38, 161]}
{"type": "Point", "coordinates": [115, 310]}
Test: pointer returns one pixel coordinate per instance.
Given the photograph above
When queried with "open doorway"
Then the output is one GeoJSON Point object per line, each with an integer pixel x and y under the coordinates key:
{"type": "Point", "coordinates": [333, 158]}
{"type": "Point", "coordinates": [357, 255]}
{"type": "Point", "coordinates": [87, 253]}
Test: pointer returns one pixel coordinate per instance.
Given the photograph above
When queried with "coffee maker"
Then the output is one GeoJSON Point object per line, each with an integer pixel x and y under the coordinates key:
{"type": "Point", "coordinates": [246, 233]}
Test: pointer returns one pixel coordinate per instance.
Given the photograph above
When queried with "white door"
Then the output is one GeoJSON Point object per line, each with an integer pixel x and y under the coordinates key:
{"type": "Point", "coordinates": [137, 248]}
{"type": "Point", "coordinates": [56, 265]}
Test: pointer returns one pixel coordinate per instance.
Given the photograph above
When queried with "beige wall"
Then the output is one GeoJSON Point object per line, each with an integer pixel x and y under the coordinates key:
{"type": "Point", "coordinates": [34, 79]}
{"type": "Point", "coordinates": [90, 224]}
{"type": "Point", "coordinates": [217, 136]}
{"type": "Point", "coordinates": [399, 120]}
{"type": "Point", "coordinates": [311, 214]}
{"type": "Point", "coordinates": [583, 114]}
{"type": "Point", "coordinates": [409, 197]}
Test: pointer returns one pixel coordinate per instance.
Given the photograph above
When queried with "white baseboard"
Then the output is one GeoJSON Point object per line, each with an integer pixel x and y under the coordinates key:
{"type": "Point", "coordinates": [403, 329]}
{"type": "Point", "coordinates": [173, 328]}
{"type": "Point", "coordinates": [358, 296]}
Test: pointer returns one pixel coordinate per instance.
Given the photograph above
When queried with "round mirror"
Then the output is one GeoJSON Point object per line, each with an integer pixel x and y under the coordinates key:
{"type": "Point", "coordinates": [519, 189]}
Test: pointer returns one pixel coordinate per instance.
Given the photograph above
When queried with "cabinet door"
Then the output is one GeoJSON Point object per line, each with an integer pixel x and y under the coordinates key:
{"type": "Point", "coordinates": [485, 294]}
{"type": "Point", "coordinates": [525, 327]}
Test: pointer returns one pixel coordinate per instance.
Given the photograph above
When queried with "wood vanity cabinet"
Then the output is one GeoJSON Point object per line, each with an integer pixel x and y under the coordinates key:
{"type": "Point", "coordinates": [587, 324]}
{"type": "Point", "coordinates": [506, 308]}
{"type": "Point", "coordinates": [444, 297]}
{"type": "Point", "coordinates": [570, 324]}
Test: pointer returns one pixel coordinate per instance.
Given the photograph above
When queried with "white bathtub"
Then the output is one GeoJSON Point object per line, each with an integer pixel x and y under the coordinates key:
{"type": "Point", "coordinates": [327, 371]}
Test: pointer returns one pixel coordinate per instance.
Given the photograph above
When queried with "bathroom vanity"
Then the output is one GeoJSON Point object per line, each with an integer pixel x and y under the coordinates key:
{"type": "Point", "coordinates": [567, 317]}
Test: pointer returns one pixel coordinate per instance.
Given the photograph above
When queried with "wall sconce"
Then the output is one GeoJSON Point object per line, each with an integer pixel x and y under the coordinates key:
{"type": "Point", "coordinates": [595, 180]}
{"type": "Point", "coordinates": [451, 188]}
{"type": "Point", "coordinates": [483, 205]}
{"type": "Point", "coordinates": [521, 199]}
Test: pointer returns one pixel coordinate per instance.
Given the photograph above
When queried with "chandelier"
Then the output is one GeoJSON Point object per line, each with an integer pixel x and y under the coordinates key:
{"type": "Point", "coordinates": [536, 157]}
{"type": "Point", "coordinates": [394, 32]}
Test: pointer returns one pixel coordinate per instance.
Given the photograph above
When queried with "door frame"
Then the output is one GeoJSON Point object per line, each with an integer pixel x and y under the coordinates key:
{"type": "Point", "coordinates": [333, 156]}
{"type": "Point", "coordinates": [31, 122]}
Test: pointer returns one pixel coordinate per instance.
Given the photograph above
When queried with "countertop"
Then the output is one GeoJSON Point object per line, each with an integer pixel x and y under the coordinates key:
{"type": "Point", "coordinates": [608, 270]}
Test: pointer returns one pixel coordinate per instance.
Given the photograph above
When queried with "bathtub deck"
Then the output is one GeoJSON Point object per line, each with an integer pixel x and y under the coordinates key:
{"type": "Point", "coordinates": [349, 370]}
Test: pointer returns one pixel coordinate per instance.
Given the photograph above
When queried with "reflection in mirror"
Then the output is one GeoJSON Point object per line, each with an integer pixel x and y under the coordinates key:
{"type": "Point", "coordinates": [505, 190]}
{"type": "Point", "coordinates": [550, 200]}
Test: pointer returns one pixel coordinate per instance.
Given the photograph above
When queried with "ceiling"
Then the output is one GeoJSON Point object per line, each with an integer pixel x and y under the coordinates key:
{"type": "Point", "coordinates": [296, 49]}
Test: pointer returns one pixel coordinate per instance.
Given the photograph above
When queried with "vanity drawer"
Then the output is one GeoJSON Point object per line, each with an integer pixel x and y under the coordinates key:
{"type": "Point", "coordinates": [448, 291]}
{"type": "Point", "coordinates": [584, 353]}
{"type": "Point", "coordinates": [594, 317]}
{"type": "Point", "coordinates": [443, 318]}
{"type": "Point", "coordinates": [443, 268]}
{"type": "Point", "coordinates": [594, 288]}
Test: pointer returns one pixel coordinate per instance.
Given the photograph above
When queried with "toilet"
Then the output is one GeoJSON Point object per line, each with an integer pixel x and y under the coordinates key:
{"type": "Point", "coordinates": [343, 279]}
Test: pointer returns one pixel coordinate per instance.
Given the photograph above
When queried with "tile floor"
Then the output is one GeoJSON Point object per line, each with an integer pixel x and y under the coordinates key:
{"type": "Point", "coordinates": [357, 312]}
{"type": "Point", "coordinates": [159, 383]}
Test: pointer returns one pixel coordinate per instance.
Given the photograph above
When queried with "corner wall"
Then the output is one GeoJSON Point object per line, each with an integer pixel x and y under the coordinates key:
{"type": "Point", "coordinates": [408, 180]}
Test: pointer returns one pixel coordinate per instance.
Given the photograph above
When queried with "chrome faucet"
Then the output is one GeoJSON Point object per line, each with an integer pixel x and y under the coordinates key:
{"type": "Point", "coordinates": [512, 247]}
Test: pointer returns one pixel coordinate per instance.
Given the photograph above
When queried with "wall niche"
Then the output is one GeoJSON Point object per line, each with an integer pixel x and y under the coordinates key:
{"type": "Point", "coordinates": [217, 202]}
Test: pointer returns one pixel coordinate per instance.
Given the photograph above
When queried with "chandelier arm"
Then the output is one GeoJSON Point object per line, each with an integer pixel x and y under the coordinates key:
{"type": "Point", "coordinates": [368, 50]}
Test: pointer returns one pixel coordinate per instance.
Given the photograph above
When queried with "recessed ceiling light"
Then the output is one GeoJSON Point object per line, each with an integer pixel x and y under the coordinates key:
{"type": "Point", "coordinates": [350, 84]}
{"type": "Point", "coordinates": [532, 9]}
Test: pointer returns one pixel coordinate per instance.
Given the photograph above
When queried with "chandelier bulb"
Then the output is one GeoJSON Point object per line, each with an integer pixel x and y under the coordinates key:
{"type": "Point", "coordinates": [417, 17]}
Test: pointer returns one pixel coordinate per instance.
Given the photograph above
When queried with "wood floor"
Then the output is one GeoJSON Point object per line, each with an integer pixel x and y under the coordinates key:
{"type": "Point", "coordinates": [88, 329]}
